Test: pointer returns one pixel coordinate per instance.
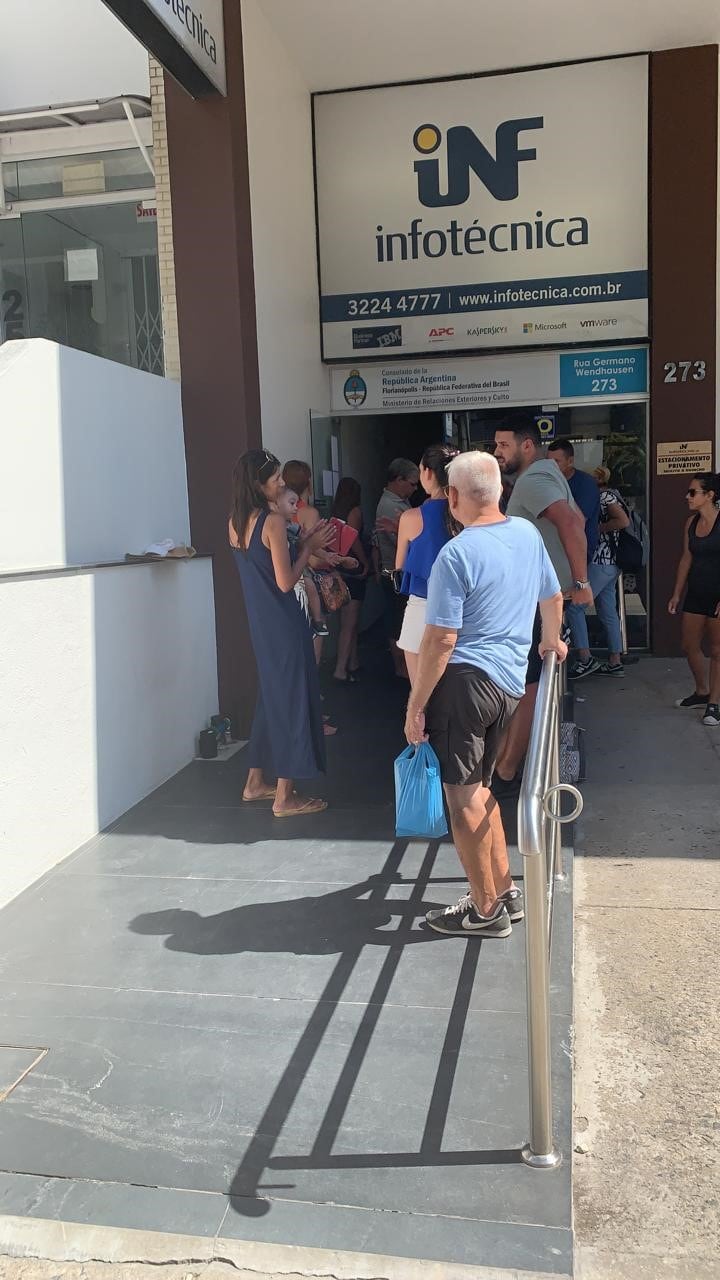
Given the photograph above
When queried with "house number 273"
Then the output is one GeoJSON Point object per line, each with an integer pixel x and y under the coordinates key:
{"type": "Point", "coordinates": [682, 370]}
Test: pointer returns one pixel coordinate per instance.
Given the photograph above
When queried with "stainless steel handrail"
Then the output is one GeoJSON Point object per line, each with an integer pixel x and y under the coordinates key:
{"type": "Point", "coordinates": [622, 613]}
{"type": "Point", "coordinates": [539, 819]}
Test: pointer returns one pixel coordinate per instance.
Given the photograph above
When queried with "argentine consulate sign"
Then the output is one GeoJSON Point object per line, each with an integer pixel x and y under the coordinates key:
{"type": "Point", "coordinates": [186, 36]}
{"type": "Point", "coordinates": [489, 211]}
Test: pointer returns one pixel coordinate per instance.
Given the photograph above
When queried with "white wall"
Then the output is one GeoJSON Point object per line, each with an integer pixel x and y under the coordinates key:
{"type": "Point", "coordinates": [64, 51]}
{"type": "Point", "coordinates": [106, 679]}
{"type": "Point", "coordinates": [292, 377]}
{"type": "Point", "coordinates": [93, 458]}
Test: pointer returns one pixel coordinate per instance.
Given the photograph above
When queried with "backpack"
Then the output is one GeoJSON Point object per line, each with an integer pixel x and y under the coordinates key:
{"type": "Point", "coordinates": [640, 530]}
{"type": "Point", "coordinates": [632, 543]}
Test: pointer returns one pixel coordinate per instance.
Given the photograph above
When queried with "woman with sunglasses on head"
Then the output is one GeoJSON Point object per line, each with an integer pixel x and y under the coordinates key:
{"type": "Point", "coordinates": [422, 533]}
{"type": "Point", "coordinates": [699, 570]}
{"type": "Point", "coordinates": [287, 740]}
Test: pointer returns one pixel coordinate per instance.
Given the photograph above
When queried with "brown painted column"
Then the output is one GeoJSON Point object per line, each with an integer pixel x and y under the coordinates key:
{"type": "Point", "coordinates": [683, 243]}
{"type": "Point", "coordinates": [207, 152]}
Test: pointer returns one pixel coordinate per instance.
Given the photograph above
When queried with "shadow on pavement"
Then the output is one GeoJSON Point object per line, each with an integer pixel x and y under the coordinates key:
{"type": "Point", "coordinates": [383, 910]}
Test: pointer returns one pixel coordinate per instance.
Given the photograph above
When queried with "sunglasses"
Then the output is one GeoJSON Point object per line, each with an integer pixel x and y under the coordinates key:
{"type": "Point", "coordinates": [270, 462]}
{"type": "Point", "coordinates": [693, 493]}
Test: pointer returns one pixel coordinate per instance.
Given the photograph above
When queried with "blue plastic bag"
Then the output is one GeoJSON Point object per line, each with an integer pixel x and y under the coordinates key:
{"type": "Point", "coordinates": [419, 809]}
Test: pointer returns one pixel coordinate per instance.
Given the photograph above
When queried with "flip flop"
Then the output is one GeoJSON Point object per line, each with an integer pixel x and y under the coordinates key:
{"type": "Point", "coordinates": [264, 795]}
{"type": "Point", "coordinates": [309, 807]}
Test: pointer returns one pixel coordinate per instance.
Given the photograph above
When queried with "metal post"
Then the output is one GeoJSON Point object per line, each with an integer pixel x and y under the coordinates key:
{"type": "Point", "coordinates": [540, 1152]}
{"type": "Point", "coordinates": [548, 781]}
{"type": "Point", "coordinates": [622, 613]}
{"type": "Point", "coordinates": [539, 797]}
{"type": "Point", "coordinates": [556, 833]}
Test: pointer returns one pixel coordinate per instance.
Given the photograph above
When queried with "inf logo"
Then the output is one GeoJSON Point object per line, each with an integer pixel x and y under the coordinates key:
{"type": "Point", "coordinates": [466, 153]}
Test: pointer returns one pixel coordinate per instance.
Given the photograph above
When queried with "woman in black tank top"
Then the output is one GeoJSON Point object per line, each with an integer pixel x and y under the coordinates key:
{"type": "Point", "coordinates": [699, 570]}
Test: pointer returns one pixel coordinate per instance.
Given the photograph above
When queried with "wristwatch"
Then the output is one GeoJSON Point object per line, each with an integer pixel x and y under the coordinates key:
{"type": "Point", "coordinates": [580, 586]}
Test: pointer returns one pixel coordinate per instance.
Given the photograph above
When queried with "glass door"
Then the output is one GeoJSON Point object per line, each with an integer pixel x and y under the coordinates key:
{"type": "Point", "coordinates": [326, 460]}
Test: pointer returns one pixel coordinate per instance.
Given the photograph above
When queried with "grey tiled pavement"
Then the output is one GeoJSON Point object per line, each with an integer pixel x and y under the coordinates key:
{"type": "Point", "coordinates": [251, 1034]}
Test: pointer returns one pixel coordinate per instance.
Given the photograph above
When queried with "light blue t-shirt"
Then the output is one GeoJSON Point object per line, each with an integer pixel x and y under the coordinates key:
{"type": "Point", "coordinates": [486, 585]}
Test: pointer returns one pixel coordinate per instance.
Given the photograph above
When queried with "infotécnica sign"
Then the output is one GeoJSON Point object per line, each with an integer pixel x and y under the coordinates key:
{"type": "Point", "coordinates": [186, 36]}
{"type": "Point", "coordinates": [488, 211]}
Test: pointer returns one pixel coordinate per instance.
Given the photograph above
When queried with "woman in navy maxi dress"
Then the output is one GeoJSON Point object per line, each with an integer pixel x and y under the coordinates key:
{"type": "Point", "coordinates": [287, 740]}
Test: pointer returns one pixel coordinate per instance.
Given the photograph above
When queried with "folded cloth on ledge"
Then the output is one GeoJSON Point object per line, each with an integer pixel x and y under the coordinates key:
{"type": "Point", "coordinates": [165, 550]}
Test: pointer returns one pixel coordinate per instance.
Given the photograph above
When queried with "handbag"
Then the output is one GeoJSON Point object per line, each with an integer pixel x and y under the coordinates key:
{"type": "Point", "coordinates": [395, 577]}
{"type": "Point", "coordinates": [333, 591]}
{"type": "Point", "coordinates": [419, 808]}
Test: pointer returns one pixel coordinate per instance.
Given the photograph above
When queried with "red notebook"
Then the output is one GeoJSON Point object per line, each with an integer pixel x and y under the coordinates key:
{"type": "Point", "coordinates": [343, 536]}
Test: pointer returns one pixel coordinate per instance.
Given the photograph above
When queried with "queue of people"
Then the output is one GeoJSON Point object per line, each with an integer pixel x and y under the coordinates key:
{"type": "Point", "coordinates": [475, 584]}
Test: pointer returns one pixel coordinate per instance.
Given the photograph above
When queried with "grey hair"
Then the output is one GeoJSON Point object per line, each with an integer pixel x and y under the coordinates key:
{"type": "Point", "coordinates": [476, 475]}
{"type": "Point", "coordinates": [402, 469]}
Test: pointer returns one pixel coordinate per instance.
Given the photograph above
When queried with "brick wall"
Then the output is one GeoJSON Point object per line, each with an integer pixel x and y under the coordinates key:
{"type": "Point", "coordinates": [166, 260]}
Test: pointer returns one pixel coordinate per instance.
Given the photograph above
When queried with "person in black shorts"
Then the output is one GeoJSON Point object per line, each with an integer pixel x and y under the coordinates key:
{"type": "Point", "coordinates": [699, 571]}
{"type": "Point", "coordinates": [483, 595]}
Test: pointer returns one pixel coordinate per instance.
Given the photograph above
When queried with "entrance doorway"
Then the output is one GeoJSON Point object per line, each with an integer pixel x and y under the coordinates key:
{"type": "Point", "coordinates": [609, 435]}
{"type": "Point", "coordinates": [363, 447]}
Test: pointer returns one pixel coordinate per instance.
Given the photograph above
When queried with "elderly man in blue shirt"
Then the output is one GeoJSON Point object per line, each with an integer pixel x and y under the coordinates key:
{"type": "Point", "coordinates": [483, 594]}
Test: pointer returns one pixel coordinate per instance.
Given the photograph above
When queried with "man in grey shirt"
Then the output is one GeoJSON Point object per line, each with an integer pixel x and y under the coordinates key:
{"type": "Point", "coordinates": [402, 480]}
{"type": "Point", "coordinates": [541, 494]}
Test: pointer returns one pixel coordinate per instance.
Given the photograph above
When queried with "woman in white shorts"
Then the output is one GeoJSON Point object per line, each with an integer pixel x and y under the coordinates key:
{"type": "Point", "coordinates": [422, 533]}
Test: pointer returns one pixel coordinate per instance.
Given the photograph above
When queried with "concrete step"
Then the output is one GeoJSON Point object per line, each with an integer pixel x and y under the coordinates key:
{"type": "Point", "coordinates": [73, 1249]}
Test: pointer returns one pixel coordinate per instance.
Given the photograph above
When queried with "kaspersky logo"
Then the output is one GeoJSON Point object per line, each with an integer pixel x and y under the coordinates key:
{"type": "Point", "coordinates": [466, 154]}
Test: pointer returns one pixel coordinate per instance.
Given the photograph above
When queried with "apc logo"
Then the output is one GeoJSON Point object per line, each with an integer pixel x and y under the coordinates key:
{"type": "Point", "coordinates": [466, 154]}
{"type": "Point", "coordinates": [441, 335]}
